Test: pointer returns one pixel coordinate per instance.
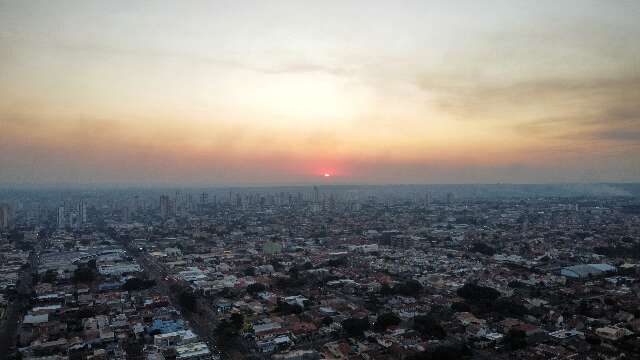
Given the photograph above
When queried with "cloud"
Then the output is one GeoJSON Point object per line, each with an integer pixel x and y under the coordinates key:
{"type": "Point", "coordinates": [304, 68]}
{"type": "Point", "coordinates": [578, 108]}
{"type": "Point", "coordinates": [619, 135]}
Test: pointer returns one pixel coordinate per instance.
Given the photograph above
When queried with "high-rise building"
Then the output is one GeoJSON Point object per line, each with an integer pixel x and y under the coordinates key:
{"type": "Point", "coordinates": [190, 202]}
{"type": "Point", "coordinates": [82, 212]}
{"type": "Point", "coordinates": [62, 222]}
{"type": "Point", "coordinates": [165, 206]}
{"type": "Point", "coordinates": [450, 198]}
{"type": "Point", "coordinates": [316, 195]}
{"type": "Point", "coordinates": [6, 217]}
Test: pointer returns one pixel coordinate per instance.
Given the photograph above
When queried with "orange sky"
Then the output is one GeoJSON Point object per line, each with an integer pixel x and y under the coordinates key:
{"type": "Point", "coordinates": [251, 93]}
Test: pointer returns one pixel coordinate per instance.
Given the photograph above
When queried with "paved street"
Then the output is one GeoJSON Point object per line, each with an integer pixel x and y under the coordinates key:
{"type": "Point", "coordinates": [9, 324]}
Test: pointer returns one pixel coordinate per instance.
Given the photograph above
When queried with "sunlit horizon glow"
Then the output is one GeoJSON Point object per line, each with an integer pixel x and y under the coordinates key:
{"type": "Point", "coordinates": [275, 92]}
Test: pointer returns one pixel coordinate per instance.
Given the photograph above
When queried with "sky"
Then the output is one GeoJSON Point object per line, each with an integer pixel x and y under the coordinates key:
{"type": "Point", "coordinates": [284, 92]}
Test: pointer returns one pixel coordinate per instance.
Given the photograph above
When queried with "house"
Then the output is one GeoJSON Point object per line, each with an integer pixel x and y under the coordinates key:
{"type": "Point", "coordinates": [194, 351]}
{"type": "Point", "coordinates": [610, 333]}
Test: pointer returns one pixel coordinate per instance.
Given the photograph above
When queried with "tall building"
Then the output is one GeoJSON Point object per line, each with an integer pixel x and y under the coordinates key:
{"type": "Point", "coordinates": [6, 217]}
{"type": "Point", "coordinates": [190, 202]}
{"type": "Point", "coordinates": [125, 214]}
{"type": "Point", "coordinates": [316, 195]}
{"type": "Point", "coordinates": [238, 201]}
{"type": "Point", "coordinates": [450, 198]}
{"type": "Point", "coordinates": [62, 222]}
{"type": "Point", "coordinates": [165, 206]}
{"type": "Point", "coordinates": [82, 212]}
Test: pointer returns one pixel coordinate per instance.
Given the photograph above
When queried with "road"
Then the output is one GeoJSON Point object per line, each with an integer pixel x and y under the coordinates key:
{"type": "Point", "coordinates": [9, 326]}
{"type": "Point", "coordinates": [203, 322]}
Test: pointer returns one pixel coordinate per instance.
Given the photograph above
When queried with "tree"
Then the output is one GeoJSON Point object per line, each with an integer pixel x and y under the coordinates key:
{"type": "Point", "coordinates": [385, 321]}
{"type": "Point", "coordinates": [291, 282]}
{"type": "Point", "coordinates": [337, 262]}
{"type": "Point", "coordinates": [229, 328]}
{"type": "Point", "coordinates": [136, 284]}
{"type": "Point", "coordinates": [188, 301]}
{"type": "Point", "coordinates": [355, 327]}
{"type": "Point", "coordinates": [460, 307]}
{"type": "Point", "coordinates": [444, 352]}
{"type": "Point", "coordinates": [476, 293]}
{"type": "Point", "coordinates": [386, 290]}
{"type": "Point", "coordinates": [256, 288]}
{"type": "Point", "coordinates": [15, 235]}
{"type": "Point", "coordinates": [50, 276]}
{"type": "Point", "coordinates": [507, 307]}
{"type": "Point", "coordinates": [134, 347]}
{"type": "Point", "coordinates": [285, 308]}
{"type": "Point", "coordinates": [483, 248]}
{"type": "Point", "coordinates": [83, 275]}
{"type": "Point", "coordinates": [516, 339]}
{"type": "Point", "coordinates": [428, 326]}
{"type": "Point", "coordinates": [408, 288]}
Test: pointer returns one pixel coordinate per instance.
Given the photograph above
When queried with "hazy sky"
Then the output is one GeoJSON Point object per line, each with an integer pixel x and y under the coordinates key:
{"type": "Point", "coordinates": [224, 92]}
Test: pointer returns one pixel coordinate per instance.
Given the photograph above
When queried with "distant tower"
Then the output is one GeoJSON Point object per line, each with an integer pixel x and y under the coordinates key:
{"type": "Point", "coordinates": [427, 200]}
{"type": "Point", "coordinates": [449, 198]}
{"type": "Point", "coordinates": [525, 224]}
{"type": "Point", "coordinates": [316, 195]}
{"type": "Point", "coordinates": [82, 212]}
{"type": "Point", "coordinates": [62, 223]}
{"type": "Point", "coordinates": [164, 206]}
{"type": "Point", "coordinates": [238, 201]}
{"type": "Point", "coordinates": [204, 198]}
{"type": "Point", "coordinates": [190, 203]}
{"type": "Point", "coordinates": [136, 203]}
{"type": "Point", "coordinates": [6, 217]}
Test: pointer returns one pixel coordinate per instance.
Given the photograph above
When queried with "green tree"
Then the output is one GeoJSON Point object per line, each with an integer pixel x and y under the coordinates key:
{"type": "Point", "coordinates": [428, 326]}
{"type": "Point", "coordinates": [137, 284]}
{"type": "Point", "coordinates": [188, 301]}
{"type": "Point", "coordinates": [84, 275]}
{"type": "Point", "coordinates": [516, 339]}
{"type": "Point", "coordinates": [386, 320]}
{"type": "Point", "coordinates": [355, 327]}
{"type": "Point", "coordinates": [50, 276]}
{"type": "Point", "coordinates": [477, 293]}
{"type": "Point", "coordinates": [256, 288]}
{"type": "Point", "coordinates": [230, 328]}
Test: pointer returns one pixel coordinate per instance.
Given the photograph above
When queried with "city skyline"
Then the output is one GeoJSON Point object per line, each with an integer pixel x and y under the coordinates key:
{"type": "Point", "coordinates": [285, 92]}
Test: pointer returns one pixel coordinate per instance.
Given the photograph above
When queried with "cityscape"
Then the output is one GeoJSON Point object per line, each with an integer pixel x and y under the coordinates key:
{"type": "Point", "coordinates": [322, 272]}
{"type": "Point", "coordinates": [319, 180]}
